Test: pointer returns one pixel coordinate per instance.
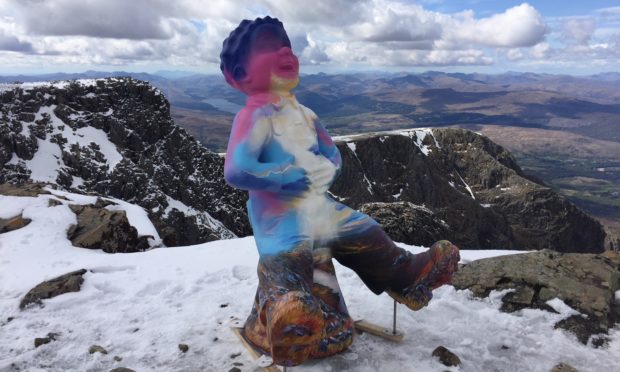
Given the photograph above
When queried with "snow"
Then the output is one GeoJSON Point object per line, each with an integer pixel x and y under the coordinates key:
{"type": "Point", "coordinates": [352, 146]}
{"type": "Point", "coordinates": [203, 217]}
{"type": "Point", "coordinates": [77, 182]}
{"type": "Point", "coordinates": [466, 186]}
{"type": "Point", "coordinates": [418, 135]}
{"type": "Point", "coordinates": [47, 160]}
{"type": "Point", "coordinates": [56, 84]}
{"type": "Point", "coordinates": [140, 306]}
{"type": "Point", "coordinates": [562, 308]}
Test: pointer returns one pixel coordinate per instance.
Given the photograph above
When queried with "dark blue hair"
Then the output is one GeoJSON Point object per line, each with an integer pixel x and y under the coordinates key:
{"type": "Point", "coordinates": [236, 47]}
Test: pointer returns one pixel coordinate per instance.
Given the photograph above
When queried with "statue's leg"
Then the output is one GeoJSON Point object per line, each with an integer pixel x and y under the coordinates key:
{"type": "Point", "coordinates": [287, 320]}
{"type": "Point", "coordinates": [338, 324]}
{"type": "Point", "coordinates": [363, 246]}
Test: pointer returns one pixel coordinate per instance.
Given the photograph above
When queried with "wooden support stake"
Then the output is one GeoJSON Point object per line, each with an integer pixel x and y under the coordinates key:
{"type": "Point", "coordinates": [263, 361]}
{"type": "Point", "coordinates": [377, 330]}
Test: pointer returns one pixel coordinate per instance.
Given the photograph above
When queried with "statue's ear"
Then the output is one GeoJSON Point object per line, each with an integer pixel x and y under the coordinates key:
{"type": "Point", "coordinates": [238, 72]}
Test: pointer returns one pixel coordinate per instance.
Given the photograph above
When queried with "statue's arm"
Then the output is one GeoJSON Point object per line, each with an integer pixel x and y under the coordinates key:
{"type": "Point", "coordinates": [242, 169]}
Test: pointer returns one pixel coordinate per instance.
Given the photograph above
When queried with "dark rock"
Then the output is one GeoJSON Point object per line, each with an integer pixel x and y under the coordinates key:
{"type": "Point", "coordinates": [70, 282]}
{"type": "Point", "coordinates": [41, 341]}
{"type": "Point", "coordinates": [446, 357]}
{"type": "Point", "coordinates": [183, 347]}
{"type": "Point", "coordinates": [585, 282]}
{"type": "Point", "coordinates": [97, 349]}
{"type": "Point", "coordinates": [100, 228]}
{"type": "Point", "coordinates": [122, 369]}
{"type": "Point", "coordinates": [53, 203]}
{"type": "Point", "coordinates": [45, 340]}
{"type": "Point", "coordinates": [563, 367]}
{"type": "Point", "coordinates": [234, 369]}
{"type": "Point", "coordinates": [23, 189]}
{"type": "Point", "coordinates": [408, 223]}
{"type": "Point", "coordinates": [14, 223]}
{"type": "Point", "coordinates": [117, 358]}
{"type": "Point", "coordinates": [234, 355]}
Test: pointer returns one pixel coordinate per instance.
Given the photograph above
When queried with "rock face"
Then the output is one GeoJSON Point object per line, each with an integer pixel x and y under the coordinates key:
{"type": "Point", "coordinates": [70, 282]}
{"type": "Point", "coordinates": [115, 137]}
{"type": "Point", "coordinates": [465, 180]}
{"type": "Point", "coordinates": [585, 282]}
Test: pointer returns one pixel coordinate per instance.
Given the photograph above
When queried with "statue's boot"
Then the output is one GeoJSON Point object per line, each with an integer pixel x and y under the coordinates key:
{"type": "Point", "coordinates": [287, 320]}
{"type": "Point", "coordinates": [429, 270]}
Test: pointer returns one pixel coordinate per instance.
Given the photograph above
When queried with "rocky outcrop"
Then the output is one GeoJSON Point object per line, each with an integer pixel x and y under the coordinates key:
{"type": "Point", "coordinates": [467, 181]}
{"type": "Point", "coordinates": [115, 137]}
{"type": "Point", "coordinates": [109, 230]}
{"type": "Point", "coordinates": [70, 282]}
{"type": "Point", "coordinates": [13, 223]}
{"type": "Point", "coordinates": [408, 223]}
{"type": "Point", "coordinates": [23, 189]}
{"type": "Point", "coordinates": [585, 282]}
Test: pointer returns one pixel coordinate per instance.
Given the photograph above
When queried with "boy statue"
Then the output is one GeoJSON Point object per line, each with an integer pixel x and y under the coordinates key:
{"type": "Point", "coordinates": [281, 153]}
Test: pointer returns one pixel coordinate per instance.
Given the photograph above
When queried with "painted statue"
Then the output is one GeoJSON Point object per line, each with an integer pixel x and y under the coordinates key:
{"type": "Point", "coordinates": [281, 153]}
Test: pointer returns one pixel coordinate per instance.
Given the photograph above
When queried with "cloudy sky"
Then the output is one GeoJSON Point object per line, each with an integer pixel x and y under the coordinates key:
{"type": "Point", "coordinates": [492, 36]}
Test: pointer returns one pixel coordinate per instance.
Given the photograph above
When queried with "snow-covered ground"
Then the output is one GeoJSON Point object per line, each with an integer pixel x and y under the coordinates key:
{"type": "Point", "coordinates": [140, 306]}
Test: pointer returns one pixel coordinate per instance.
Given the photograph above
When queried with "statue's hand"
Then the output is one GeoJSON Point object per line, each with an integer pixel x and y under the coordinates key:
{"type": "Point", "coordinates": [323, 175]}
{"type": "Point", "coordinates": [294, 180]}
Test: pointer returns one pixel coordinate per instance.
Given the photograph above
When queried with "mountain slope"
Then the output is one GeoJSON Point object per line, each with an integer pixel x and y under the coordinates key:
{"type": "Point", "coordinates": [115, 137]}
{"type": "Point", "coordinates": [467, 182]}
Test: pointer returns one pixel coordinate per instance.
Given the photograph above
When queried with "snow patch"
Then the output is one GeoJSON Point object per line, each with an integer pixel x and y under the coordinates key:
{"type": "Point", "coordinates": [562, 308]}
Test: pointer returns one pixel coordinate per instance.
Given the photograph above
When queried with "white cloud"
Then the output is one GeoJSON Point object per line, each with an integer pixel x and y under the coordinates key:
{"type": "Point", "coordinates": [336, 33]}
{"type": "Point", "coordinates": [136, 19]}
{"type": "Point", "coordinates": [396, 22]}
{"type": "Point", "coordinates": [540, 50]}
{"type": "Point", "coordinates": [322, 12]}
{"type": "Point", "coordinates": [579, 30]}
{"type": "Point", "coordinates": [520, 26]}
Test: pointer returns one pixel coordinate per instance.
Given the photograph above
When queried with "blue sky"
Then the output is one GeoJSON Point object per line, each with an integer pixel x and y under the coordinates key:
{"type": "Point", "coordinates": [573, 37]}
{"type": "Point", "coordinates": [549, 8]}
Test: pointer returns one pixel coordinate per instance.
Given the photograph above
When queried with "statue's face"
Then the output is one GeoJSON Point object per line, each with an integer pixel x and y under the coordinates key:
{"type": "Point", "coordinates": [271, 65]}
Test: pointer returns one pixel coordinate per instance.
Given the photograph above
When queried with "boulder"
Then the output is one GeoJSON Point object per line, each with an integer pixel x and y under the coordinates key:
{"type": "Point", "coordinates": [23, 189]}
{"type": "Point", "coordinates": [13, 223]}
{"type": "Point", "coordinates": [70, 282]}
{"type": "Point", "coordinates": [100, 228]}
{"type": "Point", "coordinates": [446, 357]}
{"type": "Point", "coordinates": [585, 282]}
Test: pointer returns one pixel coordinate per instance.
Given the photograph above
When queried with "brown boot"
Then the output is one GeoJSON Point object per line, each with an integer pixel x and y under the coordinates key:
{"type": "Point", "coordinates": [434, 268]}
{"type": "Point", "coordinates": [295, 324]}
